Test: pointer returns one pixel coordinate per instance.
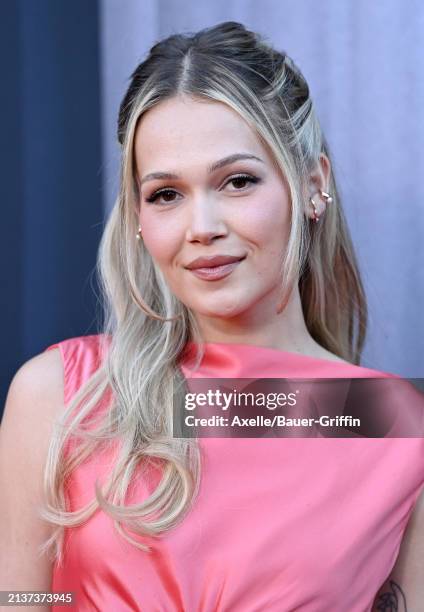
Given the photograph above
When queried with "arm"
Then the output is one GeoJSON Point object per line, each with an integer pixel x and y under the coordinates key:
{"type": "Point", "coordinates": [34, 398]}
{"type": "Point", "coordinates": [403, 590]}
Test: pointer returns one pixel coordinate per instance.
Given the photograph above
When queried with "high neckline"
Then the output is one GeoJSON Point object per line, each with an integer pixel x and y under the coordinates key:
{"type": "Point", "coordinates": [244, 360]}
{"type": "Point", "coordinates": [260, 348]}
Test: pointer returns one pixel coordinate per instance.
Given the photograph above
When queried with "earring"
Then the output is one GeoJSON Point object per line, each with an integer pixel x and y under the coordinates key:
{"type": "Point", "coordinates": [328, 200]}
{"type": "Point", "coordinates": [138, 234]}
{"type": "Point", "coordinates": [326, 196]}
{"type": "Point", "coordinates": [316, 216]}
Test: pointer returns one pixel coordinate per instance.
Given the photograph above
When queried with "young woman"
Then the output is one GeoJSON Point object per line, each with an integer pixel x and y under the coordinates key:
{"type": "Point", "coordinates": [226, 256]}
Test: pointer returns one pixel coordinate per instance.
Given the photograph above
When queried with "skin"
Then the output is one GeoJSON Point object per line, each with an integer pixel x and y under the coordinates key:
{"type": "Point", "coordinates": [206, 213]}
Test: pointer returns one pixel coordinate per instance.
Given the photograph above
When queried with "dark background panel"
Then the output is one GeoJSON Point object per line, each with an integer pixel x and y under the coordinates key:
{"type": "Point", "coordinates": [51, 175]}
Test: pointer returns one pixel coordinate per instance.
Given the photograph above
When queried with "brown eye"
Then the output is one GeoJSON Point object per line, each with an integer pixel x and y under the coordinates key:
{"type": "Point", "coordinates": [239, 181]}
{"type": "Point", "coordinates": [164, 193]}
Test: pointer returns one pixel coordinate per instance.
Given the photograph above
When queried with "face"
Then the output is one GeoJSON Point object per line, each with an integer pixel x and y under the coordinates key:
{"type": "Point", "coordinates": [210, 188]}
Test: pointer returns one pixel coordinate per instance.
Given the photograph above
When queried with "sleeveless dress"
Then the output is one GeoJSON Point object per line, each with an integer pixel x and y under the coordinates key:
{"type": "Point", "coordinates": [305, 524]}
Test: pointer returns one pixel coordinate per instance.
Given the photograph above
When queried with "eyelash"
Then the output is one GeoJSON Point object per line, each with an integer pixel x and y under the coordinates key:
{"type": "Point", "coordinates": [248, 177]}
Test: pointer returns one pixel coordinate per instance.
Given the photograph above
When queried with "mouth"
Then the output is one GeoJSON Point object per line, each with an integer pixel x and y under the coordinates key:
{"type": "Point", "coordinates": [213, 273]}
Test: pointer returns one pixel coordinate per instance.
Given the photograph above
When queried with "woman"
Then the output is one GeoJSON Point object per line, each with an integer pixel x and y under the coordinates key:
{"type": "Point", "coordinates": [226, 256]}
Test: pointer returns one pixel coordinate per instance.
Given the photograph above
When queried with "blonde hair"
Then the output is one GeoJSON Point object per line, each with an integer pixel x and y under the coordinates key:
{"type": "Point", "coordinates": [148, 327]}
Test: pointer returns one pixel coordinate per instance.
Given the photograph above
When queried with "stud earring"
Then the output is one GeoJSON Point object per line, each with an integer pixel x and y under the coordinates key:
{"type": "Point", "coordinates": [138, 234]}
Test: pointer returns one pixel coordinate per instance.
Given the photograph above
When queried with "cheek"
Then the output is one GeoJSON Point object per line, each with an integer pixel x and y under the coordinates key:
{"type": "Point", "coordinates": [267, 222]}
{"type": "Point", "coordinates": [161, 237]}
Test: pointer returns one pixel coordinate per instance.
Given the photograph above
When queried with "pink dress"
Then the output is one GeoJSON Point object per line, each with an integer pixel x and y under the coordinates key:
{"type": "Point", "coordinates": [309, 524]}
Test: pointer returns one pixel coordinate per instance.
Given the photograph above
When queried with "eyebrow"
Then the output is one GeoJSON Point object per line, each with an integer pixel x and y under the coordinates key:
{"type": "Point", "coordinates": [225, 161]}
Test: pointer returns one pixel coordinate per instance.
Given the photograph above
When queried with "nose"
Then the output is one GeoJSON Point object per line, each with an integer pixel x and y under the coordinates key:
{"type": "Point", "coordinates": [206, 221]}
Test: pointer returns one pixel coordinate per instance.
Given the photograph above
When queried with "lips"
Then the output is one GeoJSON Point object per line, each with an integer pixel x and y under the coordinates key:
{"type": "Point", "coordinates": [213, 261]}
{"type": "Point", "coordinates": [214, 268]}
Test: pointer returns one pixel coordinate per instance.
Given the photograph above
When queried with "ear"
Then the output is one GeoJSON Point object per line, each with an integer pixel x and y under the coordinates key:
{"type": "Point", "coordinates": [319, 178]}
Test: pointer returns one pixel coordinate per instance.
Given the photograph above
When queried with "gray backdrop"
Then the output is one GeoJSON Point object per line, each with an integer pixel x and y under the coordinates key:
{"type": "Point", "coordinates": [363, 61]}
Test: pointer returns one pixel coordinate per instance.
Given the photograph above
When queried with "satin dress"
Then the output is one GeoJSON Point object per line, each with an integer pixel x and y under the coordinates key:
{"type": "Point", "coordinates": [279, 524]}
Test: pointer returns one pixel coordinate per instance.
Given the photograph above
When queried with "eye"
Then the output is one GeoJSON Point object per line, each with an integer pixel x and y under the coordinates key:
{"type": "Point", "coordinates": [162, 193]}
{"type": "Point", "coordinates": [242, 178]}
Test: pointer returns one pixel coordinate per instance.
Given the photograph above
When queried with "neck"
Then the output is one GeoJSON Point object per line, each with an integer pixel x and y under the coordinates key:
{"type": "Point", "coordinates": [262, 326]}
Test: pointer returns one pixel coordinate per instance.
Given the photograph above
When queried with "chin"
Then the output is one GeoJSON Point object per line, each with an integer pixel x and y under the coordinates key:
{"type": "Point", "coordinates": [223, 309]}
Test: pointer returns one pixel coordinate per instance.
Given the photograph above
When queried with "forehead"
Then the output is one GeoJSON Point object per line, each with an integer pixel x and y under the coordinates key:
{"type": "Point", "coordinates": [185, 131]}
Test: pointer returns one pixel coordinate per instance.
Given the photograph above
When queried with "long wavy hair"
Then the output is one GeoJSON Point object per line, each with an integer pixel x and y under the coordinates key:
{"type": "Point", "coordinates": [146, 328]}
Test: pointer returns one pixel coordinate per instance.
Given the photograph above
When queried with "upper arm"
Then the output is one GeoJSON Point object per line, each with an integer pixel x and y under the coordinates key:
{"type": "Point", "coordinates": [404, 588]}
{"type": "Point", "coordinates": [34, 398]}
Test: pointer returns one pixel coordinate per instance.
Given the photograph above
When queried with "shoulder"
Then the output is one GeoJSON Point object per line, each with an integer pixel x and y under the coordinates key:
{"type": "Point", "coordinates": [40, 379]}
{"type": "Point", "coordinates": [38, 389]}
{"type": "Point", "coordinates": [34, 399]}
{"type": "Point", "coordinates": [81, 356]}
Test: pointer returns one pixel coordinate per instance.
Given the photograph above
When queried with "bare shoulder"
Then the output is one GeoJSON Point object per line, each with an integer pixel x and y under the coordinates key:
{"type": "Point", "coordinates": [33, 402]}
{"type": "Point", "coordinates": [36, 390]}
